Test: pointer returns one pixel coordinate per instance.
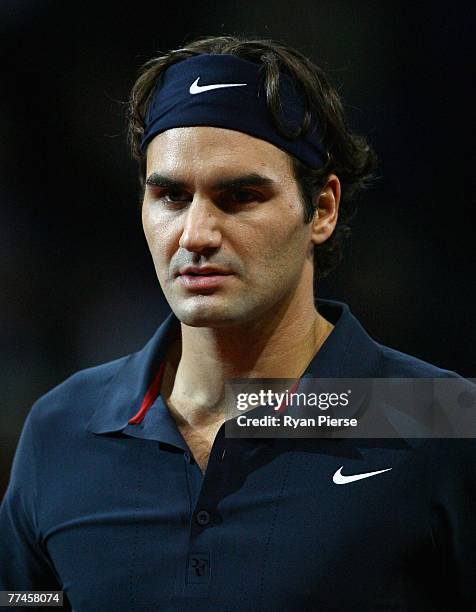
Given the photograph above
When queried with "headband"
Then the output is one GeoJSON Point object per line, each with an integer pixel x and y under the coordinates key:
{"type": "Point", "coordinates": [226, 91]}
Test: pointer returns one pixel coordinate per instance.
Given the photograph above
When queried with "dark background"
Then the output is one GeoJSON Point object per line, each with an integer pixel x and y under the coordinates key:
{"type": "Point", "coordinates": [77, 284]}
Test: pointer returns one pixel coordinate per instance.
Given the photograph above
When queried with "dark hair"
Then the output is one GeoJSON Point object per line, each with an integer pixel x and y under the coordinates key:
{"type": "Point", "coordinates": [348, 154]}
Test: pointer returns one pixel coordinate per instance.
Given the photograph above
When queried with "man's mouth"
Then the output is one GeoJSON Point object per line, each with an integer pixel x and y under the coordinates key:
{"type": "Point", "coordinates": [202, 271]}
{"type": "Point", "coordinates": [204, 278]}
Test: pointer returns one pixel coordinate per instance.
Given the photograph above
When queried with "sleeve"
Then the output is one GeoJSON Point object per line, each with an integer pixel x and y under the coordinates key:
{"type": "Point", "coordinates": [454, 520]}
{"type": "Point", "coordinates": [24, 562]}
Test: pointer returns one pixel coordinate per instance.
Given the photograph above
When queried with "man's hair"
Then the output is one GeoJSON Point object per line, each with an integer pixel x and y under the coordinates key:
{"type": "Point", "coordinates": [348, 154]}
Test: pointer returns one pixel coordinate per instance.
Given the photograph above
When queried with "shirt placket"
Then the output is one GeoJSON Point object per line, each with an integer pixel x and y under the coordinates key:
{"type": "Point", "coordinates": [204, 496]}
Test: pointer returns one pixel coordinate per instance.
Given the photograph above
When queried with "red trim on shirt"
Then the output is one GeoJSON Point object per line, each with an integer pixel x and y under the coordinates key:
{"type": "Point", "coordinates": [150, 396]}
{"type": "Point", "coordinates": [153, 392]}
{"type": "Point", "coordinates": [281, 408]}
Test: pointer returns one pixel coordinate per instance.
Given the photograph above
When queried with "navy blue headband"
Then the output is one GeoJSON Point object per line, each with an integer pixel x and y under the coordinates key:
{"type": "Point", "coordinates": [228, 92]}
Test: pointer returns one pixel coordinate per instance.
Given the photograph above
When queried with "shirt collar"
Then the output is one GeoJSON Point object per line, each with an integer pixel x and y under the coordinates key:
{"type": "Point", "coordinates": [127, 391]}
{"type": "Point", "coordinates": [348, 352]}
{"type": "Point", "coordinates": [132, 393]}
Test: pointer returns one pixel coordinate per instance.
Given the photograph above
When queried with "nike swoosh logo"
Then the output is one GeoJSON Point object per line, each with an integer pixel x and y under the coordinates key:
{"type": "Point", "coordinates": [195, 88]}
{"type": "Point", "coordinates": [339, 478]}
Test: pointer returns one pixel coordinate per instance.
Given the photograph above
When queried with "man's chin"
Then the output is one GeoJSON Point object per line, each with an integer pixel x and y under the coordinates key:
{"type": "Point", "coordinates": [203, 314]}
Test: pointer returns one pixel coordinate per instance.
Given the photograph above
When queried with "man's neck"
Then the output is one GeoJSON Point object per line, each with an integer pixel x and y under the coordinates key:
{"type": "Point", "coordinates": [280, 345]}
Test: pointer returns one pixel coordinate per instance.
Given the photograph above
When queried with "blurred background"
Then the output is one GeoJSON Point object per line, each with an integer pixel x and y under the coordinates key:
{"type": "Point", "coordinates": [77, 285]}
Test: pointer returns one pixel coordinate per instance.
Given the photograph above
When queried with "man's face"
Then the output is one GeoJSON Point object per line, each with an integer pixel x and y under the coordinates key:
{"type": "Point", "coordinates": [223, 219]}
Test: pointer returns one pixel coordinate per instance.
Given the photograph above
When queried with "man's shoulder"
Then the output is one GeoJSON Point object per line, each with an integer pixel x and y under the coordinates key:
{"type": "Point", "coordinates": [396, 364]}
{"type": "Point", "coordinates": [351, 349]}
{"type": "Point", "coordinates": [76, 397]}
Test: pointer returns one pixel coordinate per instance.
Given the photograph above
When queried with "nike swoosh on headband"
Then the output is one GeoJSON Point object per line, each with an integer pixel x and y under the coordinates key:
{"type": "Point", "coordinates": [195, 88]}
{"type": "Point", "coordinates": [339, 478]}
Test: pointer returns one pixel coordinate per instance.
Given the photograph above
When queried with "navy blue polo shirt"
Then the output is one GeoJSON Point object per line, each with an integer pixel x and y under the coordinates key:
{"type": "Point", "coordinates": [106, 502]}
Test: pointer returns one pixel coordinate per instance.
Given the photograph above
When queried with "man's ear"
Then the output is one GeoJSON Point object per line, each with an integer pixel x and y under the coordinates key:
{"type": "Point", "coordinates": [327, 210]}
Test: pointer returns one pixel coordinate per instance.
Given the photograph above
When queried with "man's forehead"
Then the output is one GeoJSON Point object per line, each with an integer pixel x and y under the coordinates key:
{"type": "Point", "coordinates": [215, 150]}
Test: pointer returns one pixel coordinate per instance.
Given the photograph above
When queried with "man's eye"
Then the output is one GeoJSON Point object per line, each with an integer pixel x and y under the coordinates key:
{"type": "Point", "coordinates": [241, 197]}
{"type": "Point", "coordinates": [173, 197]}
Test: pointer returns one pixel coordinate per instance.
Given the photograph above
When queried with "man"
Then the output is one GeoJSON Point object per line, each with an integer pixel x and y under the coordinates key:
{"type": "Point", "coordinates": [126, 493]}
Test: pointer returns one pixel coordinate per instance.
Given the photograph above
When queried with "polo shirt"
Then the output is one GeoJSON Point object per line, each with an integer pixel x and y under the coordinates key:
{"type": "Point", "coordinates": [106, 502]}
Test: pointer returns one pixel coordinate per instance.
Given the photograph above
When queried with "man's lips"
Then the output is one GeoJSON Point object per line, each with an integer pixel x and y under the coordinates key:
{"type": "Point", "coordinates": [202, 271]}
{"type": "Point", "coordinates": [202, 278]}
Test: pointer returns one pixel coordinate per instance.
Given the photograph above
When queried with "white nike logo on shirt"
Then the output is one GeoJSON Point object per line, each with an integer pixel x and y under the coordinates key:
{"type": "Point", "coordinates": [339, 478]}
{"type": "Point", "coordinates": [195, 88]}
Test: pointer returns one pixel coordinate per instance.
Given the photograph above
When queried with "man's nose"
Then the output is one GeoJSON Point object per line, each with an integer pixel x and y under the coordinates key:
{"type": "Point", "coordinates": [201, 226]}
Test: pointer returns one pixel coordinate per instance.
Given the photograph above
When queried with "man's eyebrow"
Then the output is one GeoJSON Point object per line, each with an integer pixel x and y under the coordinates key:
{"type": "Point", "coordinates": [247, 180]}
{"type": "Point", "coordinates": [238, 182]}
{"type": "Point", "coordinates": [160, 180]}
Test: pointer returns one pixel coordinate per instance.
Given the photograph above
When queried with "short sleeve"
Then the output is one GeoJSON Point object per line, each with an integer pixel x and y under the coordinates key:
{"type": "Point", "coordinates": [24, 563]}
{"type": "Point", "coordinates": [454, 519]}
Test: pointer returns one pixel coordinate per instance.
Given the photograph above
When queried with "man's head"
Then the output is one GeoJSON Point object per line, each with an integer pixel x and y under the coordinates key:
{"type": "Point", "coordinates": [261, 202]}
